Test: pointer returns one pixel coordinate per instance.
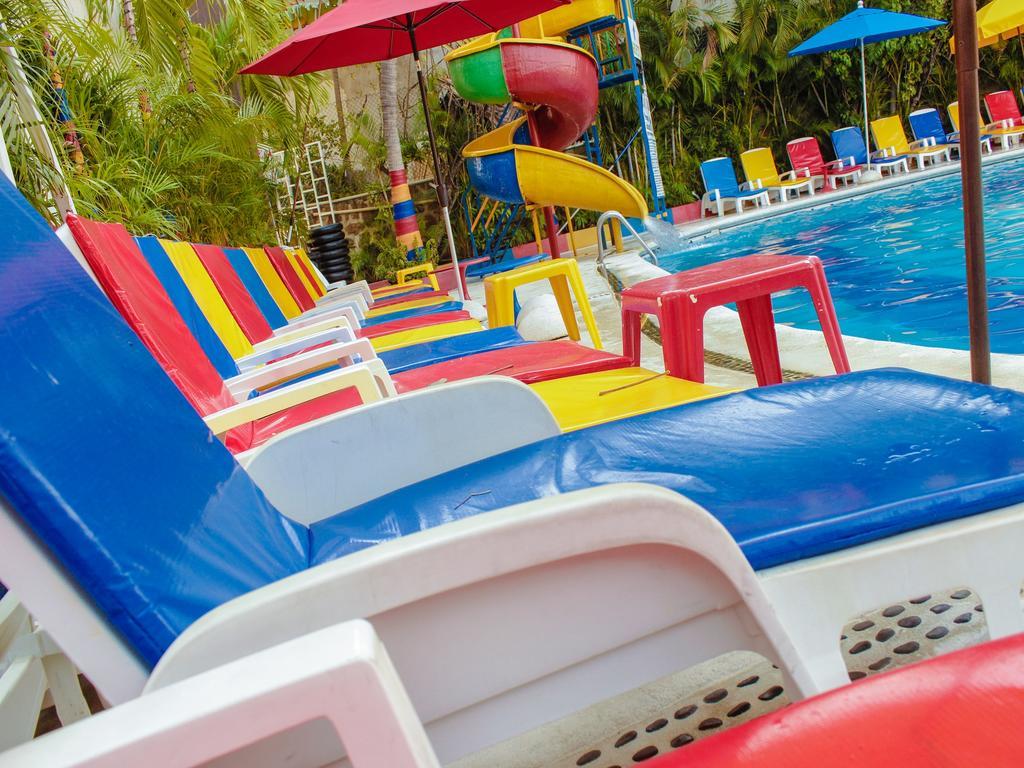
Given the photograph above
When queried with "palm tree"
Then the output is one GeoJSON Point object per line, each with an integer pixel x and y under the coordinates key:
{"type": "Point", "coordinates": [128, 18]}
{"type": "Point", "coordinates": [409, 238]}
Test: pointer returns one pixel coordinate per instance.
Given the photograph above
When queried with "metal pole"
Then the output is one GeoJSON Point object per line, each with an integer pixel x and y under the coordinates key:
{"type": "Point", "coordinates": [29, 117]}
{"type": "Point", "coordinates": [549, 212]}
{"type": "Point", "coordinates": [965, 25]}
{"type": "Point", "coordinates": [864, 94]}
{"type": "Point", "coordinates": [5, 160]}
{"type": "Point", "coordinates": [442, 191]}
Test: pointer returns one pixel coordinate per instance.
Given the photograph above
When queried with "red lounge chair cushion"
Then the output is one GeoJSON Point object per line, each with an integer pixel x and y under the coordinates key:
{"type": "Point", "coordinates": [262, 430]}
{"type": "Point", "coordinates": [1002, 105]}
{"type": "Point", "coordinates": [238, 299]}
{"type": "Point", "coordinates": [529, 363]}
{"type": "Point", "coordinates": [135, 291]}
{"type": "Point", "coordinates": [408, 323]}
{"type": "Point", "coordinates": [805, 153]}
{"type": "Point", "coordinates": [309, 276]}
{"type": "Point", "coordinates": [290, 277]}
{"type": "Point", "coordinates": [962, 709]}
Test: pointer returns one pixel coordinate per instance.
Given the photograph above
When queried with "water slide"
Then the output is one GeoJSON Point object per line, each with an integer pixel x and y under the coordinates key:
{"type": "Point", "coordinates": [558, 83]}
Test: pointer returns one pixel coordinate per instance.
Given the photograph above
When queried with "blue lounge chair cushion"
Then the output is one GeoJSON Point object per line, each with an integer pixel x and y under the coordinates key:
{"type": "Point", "coordinates": [106, 464]}
{"type": "Point", "coordinates": [186, 305]}
{"type": "Point", "coordinates": [503, 265]}
{"type": "Point", "coordinates": [926, 124]}
{"type": "Point", "coordinates": [791, 471]}
{"type": "Point", "coordinates": [849, 142]}
{"type": "Point", "coordinates": [256, 287]}
{"type": "Point", "coordinates": [105, 461]}
{"type": "Point", "coordinates": [719, 177]}
{"type": "Point", "coordinates": [418, 355]}
{"type": "Point", "coordinates": [448, 306]}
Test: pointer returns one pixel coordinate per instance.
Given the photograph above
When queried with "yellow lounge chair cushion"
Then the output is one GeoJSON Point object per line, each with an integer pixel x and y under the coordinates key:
{"type": "Point", "coordinates": [427, 333]}
{"type": "Point", "coordinates": [578, 402]}
{"type": "Point", "coordinates": [278, 291]}
{"type": "Point", "coordinates": [888, 133]}
{"type": "Point", "coordinates": [758, 164]}
{"type": "Point", "coordinates": [411, 304]}
{"type": "Point", "coordinates": [203, 290]}
{"type": "Point", "coordinates": [293, 259]}
{"type": "Point", "coordinates": [391, 291]}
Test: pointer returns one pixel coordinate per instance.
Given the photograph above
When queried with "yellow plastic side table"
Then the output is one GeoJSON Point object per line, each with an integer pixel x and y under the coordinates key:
{"type": "Point", "coordinates": [564, 277]}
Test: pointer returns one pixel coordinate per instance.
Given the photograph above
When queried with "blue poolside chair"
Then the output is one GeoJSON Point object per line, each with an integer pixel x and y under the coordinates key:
{"type": "Point", "coordinates": [848, 144]}
{"type": "Point", "coordinates": [927, 125]}
{"type": "Point", "coordinates": [724, 189]}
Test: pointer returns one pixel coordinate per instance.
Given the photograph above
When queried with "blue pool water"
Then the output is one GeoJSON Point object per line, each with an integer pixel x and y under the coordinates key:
{"type": "Point", "coordinates": [895, 260]}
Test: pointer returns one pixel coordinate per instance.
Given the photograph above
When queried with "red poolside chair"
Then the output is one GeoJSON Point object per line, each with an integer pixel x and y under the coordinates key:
{"type": "Point", "coordinates": [805, 154]}
{"type": "Point", "coordinates": [1002, 108]}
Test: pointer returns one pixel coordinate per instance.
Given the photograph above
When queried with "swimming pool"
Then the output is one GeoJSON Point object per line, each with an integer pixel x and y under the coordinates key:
{"type": "Point", "coordinates": [895, 260]}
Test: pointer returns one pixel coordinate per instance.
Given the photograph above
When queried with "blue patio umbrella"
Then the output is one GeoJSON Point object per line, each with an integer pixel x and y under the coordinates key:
{"type": "Point", "coordinates": [859, 27]}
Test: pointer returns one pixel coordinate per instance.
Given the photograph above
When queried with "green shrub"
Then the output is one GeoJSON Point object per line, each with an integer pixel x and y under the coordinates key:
{"type": "Point", "coordinates": [379, 255]}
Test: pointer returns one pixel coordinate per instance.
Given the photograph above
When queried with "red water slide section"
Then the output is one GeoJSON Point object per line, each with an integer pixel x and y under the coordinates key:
{"type": "Point", "coordinates": [561, 80]}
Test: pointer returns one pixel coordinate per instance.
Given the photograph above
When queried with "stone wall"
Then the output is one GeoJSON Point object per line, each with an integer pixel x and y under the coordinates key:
{"type": "Point", "coordinates": [357, 211]}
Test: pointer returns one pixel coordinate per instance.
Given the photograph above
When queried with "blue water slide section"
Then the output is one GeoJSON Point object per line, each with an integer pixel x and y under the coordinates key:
{"type": "Point", "coordinates": [495, 176]}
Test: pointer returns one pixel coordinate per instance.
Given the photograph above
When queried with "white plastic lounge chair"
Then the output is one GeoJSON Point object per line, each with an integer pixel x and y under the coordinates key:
{"type": "Point", "coordinates": [892, 141]}
{"type": "Point", "coordinates": [723, 190]}
{"type": "Point", "coordinates": [158, 558]}
{"type": "Point", "coordinates": [761, 172]}
{"type": "Point", "coordinates": [849, 143]}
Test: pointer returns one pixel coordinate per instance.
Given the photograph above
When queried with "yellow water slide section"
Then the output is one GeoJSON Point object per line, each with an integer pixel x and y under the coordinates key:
{"type": "Point", "coordinates": [556, 22]}
{"type": "Point", "coordinates": [558, 179]}
{"type": "Point", "coordinates": [201, 286]}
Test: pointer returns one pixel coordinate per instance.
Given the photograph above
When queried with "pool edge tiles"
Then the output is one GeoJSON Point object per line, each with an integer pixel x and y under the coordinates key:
{"type": "Point", "coordinates": [804, 350]}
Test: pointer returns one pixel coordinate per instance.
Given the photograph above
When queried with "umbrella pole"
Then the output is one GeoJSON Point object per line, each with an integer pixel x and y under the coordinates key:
{"type": "Point", "coordinates": [965, 26]}
{"type": "Point", "coordinates": [864, 95]}
{"type": "Point", "coordinates": [442, 191]}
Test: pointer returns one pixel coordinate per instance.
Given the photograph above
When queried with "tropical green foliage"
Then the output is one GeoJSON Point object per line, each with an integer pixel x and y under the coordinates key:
{"type": "Point", "coordinates": [188, 165]}
{"type": "Point", "coordinates": [718, 74]}
{"type": "Point", "coordinates": [379, 256]}
{"type": "Point", "coordinates": [721, 82]}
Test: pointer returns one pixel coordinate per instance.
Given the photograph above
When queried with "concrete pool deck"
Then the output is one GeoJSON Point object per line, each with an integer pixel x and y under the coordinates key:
{"type": "Point", "coordinates": [605, 304]}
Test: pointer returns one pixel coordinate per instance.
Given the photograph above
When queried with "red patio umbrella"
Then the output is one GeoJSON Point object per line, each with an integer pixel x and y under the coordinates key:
{"type": "Point", "coordinates": [362, 31]}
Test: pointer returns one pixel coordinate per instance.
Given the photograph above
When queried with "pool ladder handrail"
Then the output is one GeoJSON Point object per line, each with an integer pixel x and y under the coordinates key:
{"type": "Point", "coordinates": [623, 221]}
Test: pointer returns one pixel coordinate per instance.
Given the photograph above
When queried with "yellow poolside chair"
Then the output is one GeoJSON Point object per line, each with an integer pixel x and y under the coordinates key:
{"type": "Point", "coordinates": [1002, 133]}
{"type": "Point", "coordinates": [891, 140]}
{"type": "Point", "coordinates": [759, 168]}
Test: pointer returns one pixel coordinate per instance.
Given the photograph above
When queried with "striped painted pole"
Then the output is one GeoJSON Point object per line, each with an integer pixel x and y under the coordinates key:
{"type": "Point", "coordinates": [407, 230]}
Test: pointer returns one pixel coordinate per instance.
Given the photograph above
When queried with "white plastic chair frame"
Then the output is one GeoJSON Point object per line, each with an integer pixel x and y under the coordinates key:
{"type": "Point", "coordinates": [892, 168]}
{"type": "Point", "coordinates": [714, 200]}
{"type": "Point", "coordinates": [580, 596]}
{"type": "Point", "coordinates": [782, 191]}
{"type": "Point", "coordinates": [33, 673]}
